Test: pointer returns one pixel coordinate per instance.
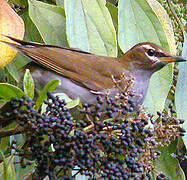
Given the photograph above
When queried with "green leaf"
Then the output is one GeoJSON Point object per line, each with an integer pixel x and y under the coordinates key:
{"type": "Point", "coordinates": [7, 168]}
{"type": "Point", "coordinates": [60, 3]}
{"type": "Point", "coordinates": [114, 14]}
{"type": "Point", "coordinates": [9, 91]}
{"type": "Point", "coordinates": [166, 161]}
{"type": "Point", "coordinates": [31, 34]}
{"type": "Point", "coordinates": [49, 87]}
{"type": "Point", "coordinates": [181, 90]}
{"type": "Point", "coordinates": [13, 71]}
{"type": "Point", "coordinates": [159, 87]}
{"type": "Point", "coordinates": [166, 25]}
{"type": "Point", "coordinates": [28, 84]}
{"type": "Point", "coordinates": [50, 22]}
{"type": "Point", "coordinates": [3, 167]}
{"type": "Point", "coordinates": [3, 74]}
{"type": "Point", "coordinates": [2, 103]}
{"type": "Point", "coordinates": [62, 96]}
{"type": "Point", "coordinates": [5, 141]}
{"type": "Point", "coordinates": [51, 148]}
{"type": "Point", "coordinates": [89, 27]}
{"type": "Point", "coordinates": [73, 103]}
{"type": "Point", "coordinates": [25, 172]}
{"type": "Point", "coordinates": [20, 2]}
{"type": "Point", "coordinates": [45, 137]}
{"type": "Point", "coordinates": [139, 23]}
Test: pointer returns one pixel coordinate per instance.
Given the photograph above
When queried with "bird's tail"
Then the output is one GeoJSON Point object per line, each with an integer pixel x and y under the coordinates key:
{"type": "Point", "coordinates": [18, 43]}
{"type": "Point", "coordinates": [13, 45]}
{"type": "Point", "coordinates": [24, 47]}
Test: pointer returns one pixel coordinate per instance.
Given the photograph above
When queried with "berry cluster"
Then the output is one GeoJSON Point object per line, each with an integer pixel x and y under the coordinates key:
{"type": "Point", "coordinates": [111, 141]}
{"type": "Point", "coordinates": [54, 139]}
{"type": "Point", "coordinates": [168, 128]}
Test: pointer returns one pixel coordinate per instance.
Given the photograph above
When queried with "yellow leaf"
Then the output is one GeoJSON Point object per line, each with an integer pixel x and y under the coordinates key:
{"type": "Point", "coordinates": [12, 25]}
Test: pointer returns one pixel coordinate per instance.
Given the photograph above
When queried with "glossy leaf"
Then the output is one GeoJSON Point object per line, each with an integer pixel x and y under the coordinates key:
{"type": "Point", "coordinates": [139, 23]}
{"type": "Point", "coordinates": [31, 34]}
{"type": "Point", "coordinates": [12, 69]}
{"type": "Point", "coordinates": [166, 161]}
{"type": "Point", "coordinates": [73, 103]}
{"type": "Point", "coordinates": [7, 169]}
{"type": "Point", "coordinates": [28, 84]}
{"type": "Point", "coordinates": [9, 91]}
{"type": "Point", "coordinates": [49, 87]}
{"type": "Point", "coordinates": [166, 25]}
{"type": "Point", "coordinates": [2, 103]}
{"type": "Point", "coordinates": [60, 3]}
{"type": "Point", "coordinates": [62, 96]}
{"type": "Point", "coordinates": [3, 167]}
{"type": "Point", "coordinates": [181, 91]}
{"type": "Point", "coordinates": [159, 87]}
{"type": "Point", "coordinates": [50, 22]}
{"type": "Point", "coordinates": [26, 172]}
{"type": "Point", "coordinates": [10, 24]}
{"type": "Point", "coordinates": [21, 173]}
{"type": "Point", "coordinates": [20, 2]}
{"type": "Point", "coordinates": [114, 14]}
{"type": "Point", "coordinates": [89, 27]}
{"type": "Point", "coordinates": [5, 141]}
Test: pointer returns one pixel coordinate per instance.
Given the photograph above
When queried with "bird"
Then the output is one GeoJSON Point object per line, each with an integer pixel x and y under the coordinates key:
{"type": "Point", "coordinates": [83, 74]}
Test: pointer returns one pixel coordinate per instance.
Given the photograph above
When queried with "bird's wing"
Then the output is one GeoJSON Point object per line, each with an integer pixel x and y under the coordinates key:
{"type": "Point", "coordinates": [88, 69]}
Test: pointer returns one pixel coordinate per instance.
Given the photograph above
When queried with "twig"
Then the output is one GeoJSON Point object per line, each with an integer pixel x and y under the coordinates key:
{"type": "Point", "coordinates": [175, 16]}
{"type": "Point", "coordinates": [17, 130]}
{"type": "Point", "coordinates": [6, 121]}
{"type": "Point", "coordinates": [88, 128]}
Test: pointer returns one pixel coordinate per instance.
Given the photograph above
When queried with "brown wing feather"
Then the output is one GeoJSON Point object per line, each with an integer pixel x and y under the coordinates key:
{"type": "Point", "coordinates": [88, 69]}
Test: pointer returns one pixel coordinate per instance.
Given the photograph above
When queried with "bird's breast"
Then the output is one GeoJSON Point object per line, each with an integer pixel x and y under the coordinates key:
{"type": "Point", "coordinates": [141, 84]}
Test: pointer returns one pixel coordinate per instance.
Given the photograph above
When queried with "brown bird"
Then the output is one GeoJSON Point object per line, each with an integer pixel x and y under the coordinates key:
{"type": "Point", "coordinates": [82, 73]}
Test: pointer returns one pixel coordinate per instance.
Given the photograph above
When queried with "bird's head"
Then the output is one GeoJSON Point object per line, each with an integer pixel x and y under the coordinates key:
{"type": "Point", "coordinates": [149, 57]}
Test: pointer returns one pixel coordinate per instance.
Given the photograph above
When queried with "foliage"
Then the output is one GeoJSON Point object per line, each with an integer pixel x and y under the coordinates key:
{"type": "Point", "coordinates": [181, 89]}
{"type": "Point", "coordinates": [12, 24]}
{"type": "Point", "coordinates": [49, 140]}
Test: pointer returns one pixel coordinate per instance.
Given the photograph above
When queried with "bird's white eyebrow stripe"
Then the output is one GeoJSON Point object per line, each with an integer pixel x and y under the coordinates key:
{"type": "Point", "coordinates": [158, 53]}
{"type": "Point", "coordinates": [148, 47]}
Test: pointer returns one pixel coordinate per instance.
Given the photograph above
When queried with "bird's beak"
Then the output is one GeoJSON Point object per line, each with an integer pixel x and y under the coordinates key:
{"type": "Point", "coordinates": [170, 59]}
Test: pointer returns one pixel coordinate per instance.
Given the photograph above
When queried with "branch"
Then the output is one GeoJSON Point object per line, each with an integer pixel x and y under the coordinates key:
{"type": "Point", "coordinates": [175, 16]}
{"type": "Point", "coordinates": [5, 133]}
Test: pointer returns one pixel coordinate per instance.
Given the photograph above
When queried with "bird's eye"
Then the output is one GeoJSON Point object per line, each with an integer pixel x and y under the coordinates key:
{"type": "Point", "coordinates": [150, 52]}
